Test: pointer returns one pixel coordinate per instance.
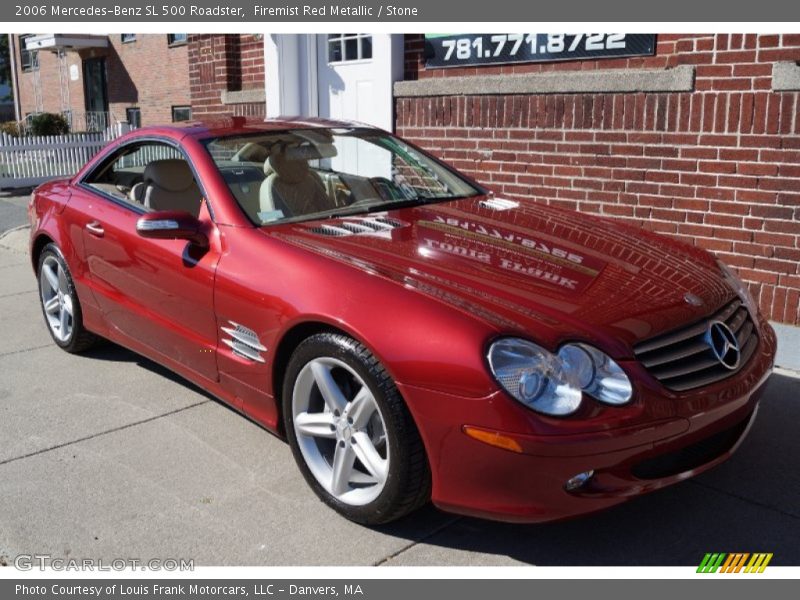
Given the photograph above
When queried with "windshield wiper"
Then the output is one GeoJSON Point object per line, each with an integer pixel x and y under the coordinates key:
{"type": "Point", "coordinates": [370, 207]}
{"type": "Point", "coordinates": [365, 208]}
{"type": "Point", "coordinates": [415, 201]}
{"type": "Point", "coordinates": [404, 203]}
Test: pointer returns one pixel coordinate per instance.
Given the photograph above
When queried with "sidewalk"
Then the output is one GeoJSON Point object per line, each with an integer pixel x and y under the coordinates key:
{"type": "Point", "coordinates": [15, 241]}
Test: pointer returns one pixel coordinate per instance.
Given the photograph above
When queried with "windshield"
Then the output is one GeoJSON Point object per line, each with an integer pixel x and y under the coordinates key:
{"type": "Point", "coordinates": [302, 174]}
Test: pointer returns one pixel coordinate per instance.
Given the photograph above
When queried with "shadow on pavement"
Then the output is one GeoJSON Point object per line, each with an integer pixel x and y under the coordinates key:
{"type": "Point", "coordinates": [112, 352]}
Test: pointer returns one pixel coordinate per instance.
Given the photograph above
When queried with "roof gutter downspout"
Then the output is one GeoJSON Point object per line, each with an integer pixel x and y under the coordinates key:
{"type": "Point", "coordinates": [12, 50]}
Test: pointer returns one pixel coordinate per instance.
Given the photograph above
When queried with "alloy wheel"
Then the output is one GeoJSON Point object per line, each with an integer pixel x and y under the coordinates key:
{"type": "Point", "coordinates": [56, 299]}
{"type": "Point", "coordinates": [340, 431]}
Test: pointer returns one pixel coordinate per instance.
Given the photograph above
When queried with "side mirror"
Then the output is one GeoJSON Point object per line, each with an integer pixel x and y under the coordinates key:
{"type": "Point", "coordinates": [172, 225]}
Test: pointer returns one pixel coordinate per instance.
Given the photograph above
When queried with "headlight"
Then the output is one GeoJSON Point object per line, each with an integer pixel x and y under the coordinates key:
{"type": "Point", "coordinates": [739, 287]}
{"type": "Point", "coordinates": [554, 384]}
{"type": "Point", "coordinates": [596, 373]}
{"type": "Point", "coordinates": [533, 376]}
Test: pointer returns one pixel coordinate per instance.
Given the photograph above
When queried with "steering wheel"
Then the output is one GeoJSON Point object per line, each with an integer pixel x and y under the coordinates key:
{"type": "Point", "coordinates": [387, 189]}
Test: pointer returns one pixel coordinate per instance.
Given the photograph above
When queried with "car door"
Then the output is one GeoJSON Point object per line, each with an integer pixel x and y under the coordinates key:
{"type": "Point", "coordinates": [157, 293]}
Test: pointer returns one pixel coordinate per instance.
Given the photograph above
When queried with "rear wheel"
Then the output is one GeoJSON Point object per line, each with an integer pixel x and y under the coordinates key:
{"type": "Point", "coordinates": [60, 305]}
{"type": "Point", "coordinates": [351, 433]}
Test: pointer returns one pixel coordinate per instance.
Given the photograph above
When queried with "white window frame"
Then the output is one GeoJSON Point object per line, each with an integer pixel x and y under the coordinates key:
{"type": "Point", "coordinates": [341, 39]}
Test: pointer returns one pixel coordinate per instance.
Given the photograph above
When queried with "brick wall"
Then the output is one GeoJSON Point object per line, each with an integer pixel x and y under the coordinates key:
{"type": "Point", "coordinates": [50, 89]}
{"type": "Point", "coordinates": [251, 62]}
{"type": "Point", "coordinates": [146, 73]}
{"type": "Point", "coordinates": [225, 63]}
{"type": "Point", "coordinates": [150, 73]}
{"type": "Point", "coordinates": [208, 73]}
{"type": "Point", "coordinates": [718, 167]}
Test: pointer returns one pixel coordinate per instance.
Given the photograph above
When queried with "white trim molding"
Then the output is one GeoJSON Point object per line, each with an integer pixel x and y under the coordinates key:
{"type": "Point", "coordinates": [244, 96]}
{"type": "Point", "coordinates": [281, 80]}
{"type": "Point", "coordinates": [676, 79]}
{"type": "Point", "coordinates": [785, 77]}
{"type": "Point", "coordinates": [788, 356]}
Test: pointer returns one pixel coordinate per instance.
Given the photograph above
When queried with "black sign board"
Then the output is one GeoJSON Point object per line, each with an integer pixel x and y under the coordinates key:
{"type": "Point", "coordinates": [457, 50]}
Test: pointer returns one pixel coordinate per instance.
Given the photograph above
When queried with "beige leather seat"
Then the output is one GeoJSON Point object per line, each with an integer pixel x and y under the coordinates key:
{"type": "Point", "coordinates": [292, 186]}
{"type": "Point", "coordinates": [137, 192]}
{"type": "Point", "coordinates": [169, 185]}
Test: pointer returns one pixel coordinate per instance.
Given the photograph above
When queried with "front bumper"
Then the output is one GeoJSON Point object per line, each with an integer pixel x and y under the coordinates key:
{"type": "Point", "coordinates": [661, 439]}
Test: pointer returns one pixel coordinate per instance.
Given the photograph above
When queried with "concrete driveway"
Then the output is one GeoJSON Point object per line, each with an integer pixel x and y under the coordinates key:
{"type": "Point", "coordinates": [109, 455]}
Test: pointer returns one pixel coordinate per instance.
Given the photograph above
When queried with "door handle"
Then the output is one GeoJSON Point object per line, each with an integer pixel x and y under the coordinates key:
{"type": "Point", "coordinates": [95, 228]}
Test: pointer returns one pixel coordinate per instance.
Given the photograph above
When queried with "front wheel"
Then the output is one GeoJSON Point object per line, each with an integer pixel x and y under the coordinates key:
{"type": "Point", "coordinates": [59, 302]}
{"type": "Point", "coordinates": [351, 433]}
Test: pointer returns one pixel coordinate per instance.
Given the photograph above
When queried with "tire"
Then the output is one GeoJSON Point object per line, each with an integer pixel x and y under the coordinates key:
{"type": "Point", "coordinates": [69, 334]}
{"type": "Point", "coordinates": [397, 480]}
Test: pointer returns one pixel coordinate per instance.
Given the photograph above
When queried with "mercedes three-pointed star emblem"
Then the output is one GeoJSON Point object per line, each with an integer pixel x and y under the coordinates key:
{"type": "Point", "coordinates": [723, 344]}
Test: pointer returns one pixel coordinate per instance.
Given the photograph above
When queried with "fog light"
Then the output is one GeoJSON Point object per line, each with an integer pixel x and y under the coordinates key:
{"type": "Point", "coordinates": [573, 483]}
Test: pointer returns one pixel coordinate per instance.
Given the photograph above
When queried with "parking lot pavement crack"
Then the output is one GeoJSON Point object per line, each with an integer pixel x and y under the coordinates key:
{"type": "Point", "coordinates": [103, 433]}
{"type": "Point", "coordinates": [423, 539]}
{"type": "Point", "coordinates": [22, 350]}
{"type": "Point", "coordinates": [745, 499]}
{"type": "Point", "coordinates": [23, 293]}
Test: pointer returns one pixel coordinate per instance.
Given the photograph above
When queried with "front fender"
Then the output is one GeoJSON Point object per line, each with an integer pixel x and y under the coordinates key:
{"type": "Point", "coordinates": [419, 340]}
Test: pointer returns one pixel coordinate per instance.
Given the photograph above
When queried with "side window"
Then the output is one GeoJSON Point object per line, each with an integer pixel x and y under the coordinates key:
{"type": "Point", "coordinates": [29, 59]}
{"type": "Point", "coordinates": [149, 176]}
{"type": "Point", "coordinates": [134, 116]}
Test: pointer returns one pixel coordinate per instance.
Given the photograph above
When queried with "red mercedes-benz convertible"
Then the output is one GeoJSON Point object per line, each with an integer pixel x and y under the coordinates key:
{"type": "Point", "coordinates": [413, 336]}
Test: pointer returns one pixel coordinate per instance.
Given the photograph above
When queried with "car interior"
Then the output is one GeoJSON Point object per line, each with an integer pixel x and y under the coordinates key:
{"type": "Point", "coordinates": [155, 176]}
{"type": "Point", "coordinates": [268, 182]}
{"type": "Point", "coordinates": [168, 184]}
{"type": "Point", "coordinates": [273, 176]}
{"type": "Point", "coordinates": [290, 174]}
{"type": "Point", "coordinates": [279, 180]}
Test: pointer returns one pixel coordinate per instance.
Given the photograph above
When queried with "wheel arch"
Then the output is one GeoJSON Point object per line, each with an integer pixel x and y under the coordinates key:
{"type": "Point", "coordinates": [294, 335]}
{"type": "Point", "coordinates": [40, 241]}
{"type": "Point", "coordinates": [415, 469]}
{"type": "Point", "coordinates": [286, 346]}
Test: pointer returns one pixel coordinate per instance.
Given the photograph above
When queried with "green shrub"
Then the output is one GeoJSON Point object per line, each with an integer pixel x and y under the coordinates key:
{"type": "Point", "coordinates": [48, 124]}
{"type": "Point", "coordinates": [10, 127]}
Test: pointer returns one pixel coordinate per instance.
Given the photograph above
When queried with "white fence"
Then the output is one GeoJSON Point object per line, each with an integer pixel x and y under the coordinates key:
{"type": "Point", "coordinates": [91, 121]}
{"type": "Point", "coordinates": [31, 160]}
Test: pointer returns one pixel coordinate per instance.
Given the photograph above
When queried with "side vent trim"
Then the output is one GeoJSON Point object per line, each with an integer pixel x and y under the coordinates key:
{"type": "Point", "coordinates": [351, 226]}
{"type": "Point", "coordinates": [243, 342]}
{"type": "Point", "coordinates": [330, 230]}
{"type": "Point", "coordinates": [498, 204]}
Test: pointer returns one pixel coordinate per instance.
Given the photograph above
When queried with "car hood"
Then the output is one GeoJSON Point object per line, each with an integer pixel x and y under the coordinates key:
{"type": "Point", "coordinates": [528, 268]}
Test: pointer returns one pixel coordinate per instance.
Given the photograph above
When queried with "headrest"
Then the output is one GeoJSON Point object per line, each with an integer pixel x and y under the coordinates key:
{"type": "Point", "coordinates": [170, 174]}
{"type": "Point", "coordinates": [290, 162]}
{"type": "Point", "coordinates": [288, 170]}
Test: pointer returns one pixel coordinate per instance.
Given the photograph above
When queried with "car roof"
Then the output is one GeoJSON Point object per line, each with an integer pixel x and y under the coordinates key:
{"type": "Point", "coordinates": [242, 126]}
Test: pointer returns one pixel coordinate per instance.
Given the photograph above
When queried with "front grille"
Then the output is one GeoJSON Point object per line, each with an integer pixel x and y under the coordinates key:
{"type": "Point", "coordinates": [683, 359]}
{"type": "Point", "coordinates": [690, 457]}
